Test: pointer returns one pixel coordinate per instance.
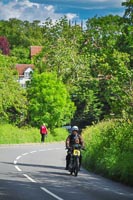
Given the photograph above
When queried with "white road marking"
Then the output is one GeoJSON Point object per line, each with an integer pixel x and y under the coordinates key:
{"type": "Point", "coordinates": [33, 181]}
{"type": "Point", "coordinates": [24, 154]}
{"type": "Point", "coordinates": [18, 168]}
{"type": "Point", "coordinates": [15, 162]}
{"type": "Point", "coordinates": [50, 193]}
{"type": "Point", "coordinates": [33, 151]}
{"type": "Point", "coordinates": [42, 150]}
{"type": "Point", "coordinates": [49, 149]}
{"type": "Point", "coordinates": [18, 157]}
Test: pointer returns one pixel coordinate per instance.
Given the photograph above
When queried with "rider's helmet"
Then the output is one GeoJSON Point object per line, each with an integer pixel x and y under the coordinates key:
{"type": "Point", "coordinates": [75, 128]}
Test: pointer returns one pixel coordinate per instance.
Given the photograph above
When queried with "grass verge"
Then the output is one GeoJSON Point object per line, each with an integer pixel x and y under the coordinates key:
{"type": "Point", "coordinates": [10, 134]}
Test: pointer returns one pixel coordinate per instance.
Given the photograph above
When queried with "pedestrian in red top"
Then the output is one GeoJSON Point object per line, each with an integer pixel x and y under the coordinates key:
{"type": "Point", "coordinates": [43, 132]}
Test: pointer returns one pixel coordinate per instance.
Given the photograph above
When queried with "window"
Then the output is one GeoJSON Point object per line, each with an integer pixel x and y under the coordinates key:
{"type": "Point", "coordinates": [27, 73]}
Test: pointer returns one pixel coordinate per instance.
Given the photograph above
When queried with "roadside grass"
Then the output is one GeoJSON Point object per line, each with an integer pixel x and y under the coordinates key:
{"type": "Point", "coordinates": [10, 134]}
{"type": "Point", "coordinates": [109, 148]}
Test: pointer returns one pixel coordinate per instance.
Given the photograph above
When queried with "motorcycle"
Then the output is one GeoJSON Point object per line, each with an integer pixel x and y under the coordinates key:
{"type": "Point", "coordinates": [75, 156]}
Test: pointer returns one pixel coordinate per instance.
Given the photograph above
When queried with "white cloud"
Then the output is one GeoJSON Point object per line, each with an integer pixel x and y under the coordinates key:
{"type": "Point", "coordinates": [26, 10]}
{"type": "Point", "coordinates": [71, 16]}
{"type": "Point", "coordinates": [49, 8]}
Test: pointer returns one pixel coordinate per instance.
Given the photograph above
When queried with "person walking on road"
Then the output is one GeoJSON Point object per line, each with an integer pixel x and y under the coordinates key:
{"type": "Point", "coordinates": [43, 132]}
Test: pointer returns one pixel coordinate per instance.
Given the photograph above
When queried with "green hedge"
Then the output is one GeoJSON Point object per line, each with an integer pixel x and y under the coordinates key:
{"type": "Point", "coordinates": [109, 150]}
{"type": "Point", "coordinates": [10, 134]}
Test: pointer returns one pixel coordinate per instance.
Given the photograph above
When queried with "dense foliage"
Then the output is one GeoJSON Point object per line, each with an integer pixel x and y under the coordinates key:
{"type": "Point", "coordinates": [4, 46]}
{"type": "Point", "coordinates": [49, 101]}
{"type": "Point", "coordinates": [13, 99]}
{"type": "Point", "coordinates": [129, 10]}
{"type": "Point", "coordinates": [109, 150]}
{"type": "Point", "coordinates": [95, 65]}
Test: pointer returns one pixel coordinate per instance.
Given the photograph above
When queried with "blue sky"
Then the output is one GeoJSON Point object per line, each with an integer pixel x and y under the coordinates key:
{"type": "Point", "coordinates": [55, 9]}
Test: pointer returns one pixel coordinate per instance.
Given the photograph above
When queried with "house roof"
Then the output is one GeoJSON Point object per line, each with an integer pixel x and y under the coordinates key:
{"type": "Point", "coordinates": [35, 50]}
{"type": "Point", "coordinates": [22, 67]}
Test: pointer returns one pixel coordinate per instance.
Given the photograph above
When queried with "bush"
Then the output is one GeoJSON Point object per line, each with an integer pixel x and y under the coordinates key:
{"type": "Point", "coordinates": [14, 135]}
{"type": "Point", "coordinates": [109, 150]}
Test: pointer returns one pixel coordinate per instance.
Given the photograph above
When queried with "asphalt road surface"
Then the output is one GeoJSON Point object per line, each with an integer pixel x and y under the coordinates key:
{"type": "Point", "coordinates": [37, 172]}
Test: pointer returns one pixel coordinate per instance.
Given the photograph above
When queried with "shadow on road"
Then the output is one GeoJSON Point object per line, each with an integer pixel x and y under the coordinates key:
{"type": "Point", "coordinates": [57, 178]}
{"type": "Point", "coordinates": [37, 166]}
{"type": "Point", "coordinates": [20, 190]}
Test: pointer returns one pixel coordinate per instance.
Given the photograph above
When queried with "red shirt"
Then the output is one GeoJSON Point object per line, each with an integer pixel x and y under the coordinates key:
{"type": "Point", "coordinates": [43, 130]}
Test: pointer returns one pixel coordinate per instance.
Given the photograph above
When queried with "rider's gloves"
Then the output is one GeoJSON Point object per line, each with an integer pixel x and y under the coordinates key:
{"type": "Point", "coordinates": [67, 147]}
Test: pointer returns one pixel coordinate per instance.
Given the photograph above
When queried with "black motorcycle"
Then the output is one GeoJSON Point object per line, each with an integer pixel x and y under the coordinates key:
{"type": "Point", "coordinates": [75, 156]}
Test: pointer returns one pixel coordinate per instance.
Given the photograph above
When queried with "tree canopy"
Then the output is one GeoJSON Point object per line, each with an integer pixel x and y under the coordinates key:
{"type": "Point", "coordinates": [49, 101]}
{"type": "Point", "coordinates": [13, 102]}
{"type": "Point", "coordinates": [4, 46]}
{"type": "Point", "coordinates": [92, 68]}
{"type": "Point", "coordinates": [129, 10]}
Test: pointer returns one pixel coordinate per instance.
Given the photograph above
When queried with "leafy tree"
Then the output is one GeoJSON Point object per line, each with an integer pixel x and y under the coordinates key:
{"type": "Point", "coordinates": [102, 33]}
{"type": "Point", "coordinates": [89, 62]}
{"type": "Point", "coordinates": [21, 54]}
{"type": "Point", "coordinates": [125, 40]}
{"type": "Point", "coordinates": [21, 33]}
{"type": "Point", "coordinates": [13, 101]}
{"type": "Point", "coordinates": [129, 10]}
{"type": "Point", "coordinates": [116, 83]}
{"type": "Point", "coordinates": [86, 56]}
{"type": "Point", "coordinates": [85, 96]}
{"type": "Point", "coordinates": [4, 46]}
{"type": "Point", "coordinates": [49, 101]}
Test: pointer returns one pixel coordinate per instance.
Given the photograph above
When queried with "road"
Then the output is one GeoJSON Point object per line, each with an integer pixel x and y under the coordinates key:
{"type": "Point", "coordinates": [37, 172]}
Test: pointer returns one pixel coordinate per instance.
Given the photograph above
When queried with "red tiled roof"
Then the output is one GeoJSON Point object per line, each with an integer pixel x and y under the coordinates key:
{"type": "Point", "coordinates": [35, 50]}
{"type": "Point", "coordinates": [22, 67]}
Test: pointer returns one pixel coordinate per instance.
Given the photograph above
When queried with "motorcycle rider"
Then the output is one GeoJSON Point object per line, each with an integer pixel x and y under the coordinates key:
{"type": "Point", "coordinates": [72, 139]}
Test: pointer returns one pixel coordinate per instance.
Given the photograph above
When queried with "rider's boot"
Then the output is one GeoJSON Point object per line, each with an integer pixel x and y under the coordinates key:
{"type": "Point", "coordinates": [67, 165]}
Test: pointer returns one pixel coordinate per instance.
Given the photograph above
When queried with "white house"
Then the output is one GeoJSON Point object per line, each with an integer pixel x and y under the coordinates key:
{"type": "Point", "coordinates": [24, 72]}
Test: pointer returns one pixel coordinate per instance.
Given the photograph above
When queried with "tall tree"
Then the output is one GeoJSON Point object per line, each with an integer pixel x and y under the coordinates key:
{"type": "Point", "coordinates": [49, 101]}
{"type": "Point", "coordinates": [129, 10]}
{"type": "Point", "coordinates": [125, 40]}
{"type": "Point", "coordinates": [13, 101]}
{"type": "Point", "coordinates": [4, 45]}
{"type": "Point", "coordinates": [21, 54]}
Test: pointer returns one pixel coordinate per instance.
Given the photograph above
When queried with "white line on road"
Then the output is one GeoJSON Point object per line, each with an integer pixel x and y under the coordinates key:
{"type": "Point", "coordinates": [42, 150]}
{"type": "Point", "coordinates": [49, 149]}
{"type": "Point", "coordinates": [50, 193]}
{"type": "Point", "coordinates": [24, 154]}
{"type": "Point", "coordinates": [33, 181]}
{"type": "Point", "coordinates": [15, 162]}
{"type": "Point", "coordinates": [18, 168]}
{"type": "Point", "coordinates": [18, 157]}
{"type": "Point", "coordinates": [33, 151]}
